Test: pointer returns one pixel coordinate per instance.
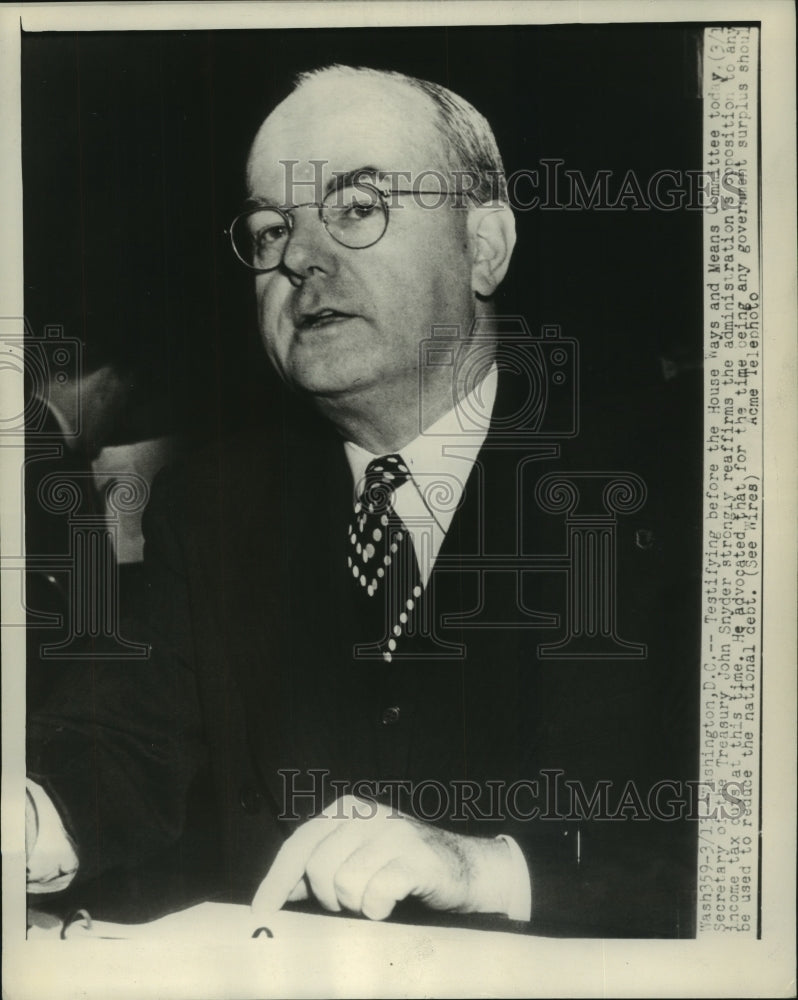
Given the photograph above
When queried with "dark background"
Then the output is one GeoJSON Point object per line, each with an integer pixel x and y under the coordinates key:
{"type": "Point", "coordinates": [133, 152]}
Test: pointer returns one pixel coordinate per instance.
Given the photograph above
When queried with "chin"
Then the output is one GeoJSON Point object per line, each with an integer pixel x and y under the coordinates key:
{"type": "Point", "coordinates": [333, 372]}
{"type": "Point", "coordinates": [326, 382]}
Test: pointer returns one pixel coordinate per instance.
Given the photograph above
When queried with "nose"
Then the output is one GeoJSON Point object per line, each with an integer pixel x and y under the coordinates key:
{"type": "Point", "coordinates": [310, 248]}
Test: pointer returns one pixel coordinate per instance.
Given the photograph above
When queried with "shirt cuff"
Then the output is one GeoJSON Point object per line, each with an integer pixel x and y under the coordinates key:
{"type": "Point", "coordinates": [519, 892]}
{"type": "Point", "coordinates": [52, 860]}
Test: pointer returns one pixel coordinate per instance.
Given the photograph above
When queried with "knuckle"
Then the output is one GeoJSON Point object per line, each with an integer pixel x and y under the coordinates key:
{"type": "Point", "coordinates": [343, 885]}
{"type": "Point", "coordinates": [376, 906]}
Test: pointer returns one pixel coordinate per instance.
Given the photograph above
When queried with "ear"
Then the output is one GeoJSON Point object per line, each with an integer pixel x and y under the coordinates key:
{"type": "Point", "coordinates": [492, 238]}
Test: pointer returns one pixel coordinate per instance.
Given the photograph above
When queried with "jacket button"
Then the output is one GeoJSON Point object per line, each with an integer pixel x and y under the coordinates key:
{"type": "Point", "coordinates": [251, 800]}
{"type": "Point", "coordinates": [390, 716]}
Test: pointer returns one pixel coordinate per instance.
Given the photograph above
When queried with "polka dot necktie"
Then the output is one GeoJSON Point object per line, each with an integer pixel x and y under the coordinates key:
{"type": "Point", "coordinates": [382, 558]}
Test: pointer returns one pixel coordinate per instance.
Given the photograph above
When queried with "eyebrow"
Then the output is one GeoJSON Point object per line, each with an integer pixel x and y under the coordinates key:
{"type": "Point", "coordinates": [338, 180]}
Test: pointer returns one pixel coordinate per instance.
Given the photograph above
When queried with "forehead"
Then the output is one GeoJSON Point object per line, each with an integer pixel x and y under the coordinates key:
{"type": "Point", "coordinates": [346, 124]}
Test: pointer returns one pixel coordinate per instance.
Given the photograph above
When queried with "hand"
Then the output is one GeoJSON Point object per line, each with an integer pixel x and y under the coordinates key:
{"type": "Point", "coordinates": [51, 858]}
{"type": "Point", "coordinates": [365, 857]}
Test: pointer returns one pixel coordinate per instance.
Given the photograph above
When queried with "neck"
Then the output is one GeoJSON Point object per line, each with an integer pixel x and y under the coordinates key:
{"type": "Point", "coordinates": [385, 418]}
{"type": "Point", "coordinates": [382, 419]}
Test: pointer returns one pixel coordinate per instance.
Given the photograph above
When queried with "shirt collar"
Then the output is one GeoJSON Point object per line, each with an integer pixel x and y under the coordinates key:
{"type": "Point", "coordinates": [466, 424]}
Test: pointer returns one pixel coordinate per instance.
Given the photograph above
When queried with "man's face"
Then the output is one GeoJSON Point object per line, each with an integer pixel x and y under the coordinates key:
{"type": "Point", "coordinates": [384, 299]}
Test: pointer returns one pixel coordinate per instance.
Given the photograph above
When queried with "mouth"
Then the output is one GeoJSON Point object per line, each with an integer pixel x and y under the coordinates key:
{"type": "Point", "coordinates": [321, 318]}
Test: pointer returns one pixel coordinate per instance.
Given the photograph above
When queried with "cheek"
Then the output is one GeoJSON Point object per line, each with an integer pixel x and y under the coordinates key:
{"type": "Point", "coordinates": [268, 294]}
{"type": "Point", "coordinates": [443, 284]}
{"type": "Point", "coordinates": [444, 261]}
{"type": "Point", "coordinates": [269, 299]}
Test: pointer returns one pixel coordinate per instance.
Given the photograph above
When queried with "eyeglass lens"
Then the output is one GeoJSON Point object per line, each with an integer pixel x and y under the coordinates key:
{"type": "Point", "coordinates": [355, 216]}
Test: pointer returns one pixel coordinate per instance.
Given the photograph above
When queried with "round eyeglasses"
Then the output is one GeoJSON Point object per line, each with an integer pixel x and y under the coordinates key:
{"type": "Point", "coordinates": [355, 215]}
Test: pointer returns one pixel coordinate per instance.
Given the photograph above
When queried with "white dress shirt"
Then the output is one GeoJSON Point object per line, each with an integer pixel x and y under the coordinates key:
{"type": "Point", "coordinates": [440, 461]}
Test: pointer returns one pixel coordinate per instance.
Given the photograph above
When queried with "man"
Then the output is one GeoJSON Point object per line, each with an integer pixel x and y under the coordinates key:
{"type": "Point", "coordinates": [334, 638]}
{"type": "Point", "coordinates": [76, 413]}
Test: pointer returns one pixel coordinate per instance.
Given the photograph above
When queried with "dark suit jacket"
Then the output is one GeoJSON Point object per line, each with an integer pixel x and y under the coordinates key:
{"type": "Point", "coordinates": [252, 686]}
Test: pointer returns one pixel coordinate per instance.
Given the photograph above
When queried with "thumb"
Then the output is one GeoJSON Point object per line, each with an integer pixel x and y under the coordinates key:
{"type": "Point", "coordinates": [299, 892]}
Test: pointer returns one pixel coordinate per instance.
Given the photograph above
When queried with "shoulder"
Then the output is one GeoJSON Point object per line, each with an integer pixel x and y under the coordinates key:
{"type": "Point", "coordinates": [252, 473]}
{"type": "Point", "coordinates": [206, 474]}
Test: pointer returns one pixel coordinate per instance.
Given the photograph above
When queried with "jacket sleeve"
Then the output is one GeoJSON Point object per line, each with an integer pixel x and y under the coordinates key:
{"type": "Point", "coordinates": [118, 743]}
{"type": "Point", "coordinates": [589, 881]}
{"type": "Point", "coordinates": [619, 860]}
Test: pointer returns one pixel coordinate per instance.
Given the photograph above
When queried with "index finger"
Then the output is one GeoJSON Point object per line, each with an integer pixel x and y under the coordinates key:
{"type": "Point", "coordinates": [292, 858]}
{"type": "Point", "coordinates": [289, 866]}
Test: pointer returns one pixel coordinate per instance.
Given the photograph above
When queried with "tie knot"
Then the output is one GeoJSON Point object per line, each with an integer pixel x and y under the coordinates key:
{"type": "Point", "coordinates": [383, 476]}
